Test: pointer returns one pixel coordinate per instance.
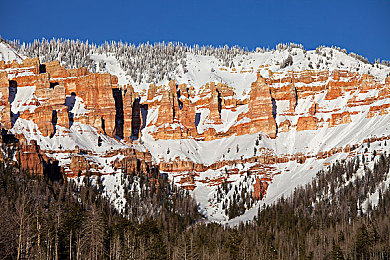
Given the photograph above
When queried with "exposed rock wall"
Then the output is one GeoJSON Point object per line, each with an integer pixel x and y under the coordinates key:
{"type": "Point", "coordinates": [261, 109]}
{"type": "Point", "coordinates": [295, 101]}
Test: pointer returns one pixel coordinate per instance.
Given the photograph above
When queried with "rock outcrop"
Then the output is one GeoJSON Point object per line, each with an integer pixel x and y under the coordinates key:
{"type": "Point", "coordinates": [52, 96]}
{"type": "Point", "coordinates": [262, 109]}
{"type": "Point", "coordinates": [215, 105]}
{"type": "Point", "coordinates": [307, 123]}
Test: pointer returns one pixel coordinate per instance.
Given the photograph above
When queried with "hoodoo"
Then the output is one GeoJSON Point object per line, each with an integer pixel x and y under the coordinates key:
{"type": "Point", "coordinates": [246, 125]}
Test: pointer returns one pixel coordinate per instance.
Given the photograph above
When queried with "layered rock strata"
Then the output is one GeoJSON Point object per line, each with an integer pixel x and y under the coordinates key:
{"type": "Point", "coordinates": [53, 98]}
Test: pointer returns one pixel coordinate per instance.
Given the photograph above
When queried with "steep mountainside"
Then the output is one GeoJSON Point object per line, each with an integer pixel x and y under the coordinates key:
{"type": "Point", "coordinates": [238, 129]}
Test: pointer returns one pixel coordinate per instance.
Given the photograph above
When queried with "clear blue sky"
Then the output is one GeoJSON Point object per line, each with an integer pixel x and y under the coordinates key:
{"type": "Point", "coordinates": [359, 26]}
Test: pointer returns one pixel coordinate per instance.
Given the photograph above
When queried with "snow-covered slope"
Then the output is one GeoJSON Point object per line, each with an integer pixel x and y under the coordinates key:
{"type": "Point", "coordinates": [240, 73]}
{"type": "Point", "coordinates": [249, 164]}
{"type": "Point", "coordinates": [7, 53]}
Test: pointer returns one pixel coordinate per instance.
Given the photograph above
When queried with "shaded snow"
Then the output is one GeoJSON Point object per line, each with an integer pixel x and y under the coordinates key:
{"type": "Point", "coordinates": [202, 70]}
{"type": "Point", "coordinates": [22, 99]}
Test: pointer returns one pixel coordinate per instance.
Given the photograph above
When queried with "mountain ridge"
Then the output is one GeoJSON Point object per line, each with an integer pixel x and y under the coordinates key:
{"type": "Point", "coordinates": [267, 125]}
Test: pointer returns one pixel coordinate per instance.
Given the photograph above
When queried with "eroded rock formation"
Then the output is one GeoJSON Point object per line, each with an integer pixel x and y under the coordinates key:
{"type": "Point", "coordinates": [262, 108]}
{"type": "Point", "coordinates": [52, 96]}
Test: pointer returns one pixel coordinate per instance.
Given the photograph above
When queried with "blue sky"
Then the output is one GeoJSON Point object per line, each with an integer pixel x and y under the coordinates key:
{"type": "Point", "coordinates": [359, 26]}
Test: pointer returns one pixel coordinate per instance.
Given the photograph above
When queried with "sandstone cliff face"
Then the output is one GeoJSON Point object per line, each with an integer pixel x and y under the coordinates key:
{"type": "Point", "coordinates": [301, 101]}
{"type": "Point", "coordinates": [128, 101]}
{"type": "Point", "coordinates": [49, 93]}
{"type": "Point", "coordinates": [307, 123]}
{"type": "Point", "coordinates": [277, 105]}
{"type": "Point", "coordinates": [50, 111]}
{"type": "Point", "coordinates": [94, 89]}
{"type": "Point", "coordinates": [260, 188]}
{"type": "Point", "coordinates": [30, 158]}
{"type": "Point", "coordinates": [340, 118]}
{"type": "Point", "coordinates": [55, 70]}
{"type": "Point", "coordinates": [215, 105]}
{"type": "Point", "coordinates": [5, 107]}
{"type": "Point", "coordinates": [166, 113]}
{"type": "Point", "coordinates": [261, 109]}
{"type": "Point", "coordinates": [187, 115]}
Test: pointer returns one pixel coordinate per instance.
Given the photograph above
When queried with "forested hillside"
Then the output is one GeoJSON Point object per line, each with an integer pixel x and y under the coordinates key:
{"type": "Point", "coordinates": [43, 218]}
{"type": "Point", "coordinates": [235, 128]}
{"type": "Point", "coordinates": [326, 219]}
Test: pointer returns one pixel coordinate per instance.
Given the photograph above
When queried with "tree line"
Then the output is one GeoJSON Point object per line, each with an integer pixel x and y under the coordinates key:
{"type": "Point", "coordinates": [329, 218]}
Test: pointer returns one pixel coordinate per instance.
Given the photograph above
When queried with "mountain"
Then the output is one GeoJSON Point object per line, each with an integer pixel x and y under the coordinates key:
{"type": "Point", "coordinates": [238, 129]}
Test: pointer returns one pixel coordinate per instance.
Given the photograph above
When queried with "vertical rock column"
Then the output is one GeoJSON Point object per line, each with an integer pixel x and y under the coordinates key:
{"type": "Point", "coordinates": [5, 107]}
{"type": "Point", "coordinates": [168, 110]}
{"type": "Point", "coordinates": [261, 109]}
{"type": "Point", "coordinates": [174, 100]}
{"type": "Point", "coordinates": [128, 99]}
{"type": "Point", "coordinates": [293, 97]}
{"type": "Point", "coordinates": [215, 105]}
{"type": "Point", "coordinates": [187, 115]}
{"type": "Point", "coordinates": [96, 91]}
